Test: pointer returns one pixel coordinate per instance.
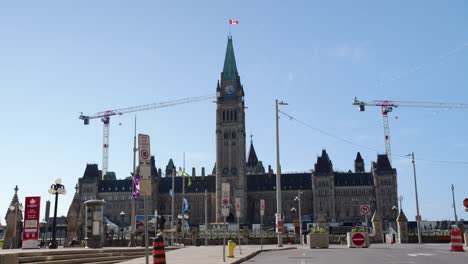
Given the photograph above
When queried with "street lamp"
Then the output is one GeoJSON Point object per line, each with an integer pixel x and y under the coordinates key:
{"type": "Point", "coordinates": [122, 215]}
{"type": "Point", "coordinates": [298, 200]}
{"type": "Point", "coordinates": [15, 207]}
{"type": "Point", "coordinates": [55, 189]}
{"type": "Point", "coordinates": [278, 180]}
{"type": "Point", "coordinates": [418, 217]}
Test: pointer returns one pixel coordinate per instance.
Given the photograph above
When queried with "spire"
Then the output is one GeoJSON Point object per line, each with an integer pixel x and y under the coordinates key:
{"type": "Point", "coordinates": [252, 160]}
{"type": "Point", "coordinates": [230, 68]}
{"type": "Point", "coordinates": [170, 167]}
{"type": "Point", "coordinates": [15, 199]}
{"type": "Point", "coordinates": [358, 157]}
{"type": "Point", "coordinates": [359, 163]}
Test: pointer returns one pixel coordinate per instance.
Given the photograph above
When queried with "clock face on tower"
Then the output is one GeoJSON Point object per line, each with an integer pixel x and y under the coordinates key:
{"type": "Point", "coordinates": [229, 90]}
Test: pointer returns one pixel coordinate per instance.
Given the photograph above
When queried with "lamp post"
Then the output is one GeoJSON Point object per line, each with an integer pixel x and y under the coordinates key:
{"type": "Point", "coordinates": [418, 217]}
{"type": "Point", "coordinates": [293, 213]}
{"type": "Point", "coordinates": [298, 200]}
{"type": "Point", "coordinates": [122, 215]}
{"type": "Point", "coordinates": [278, 180]}
{"type": "Point", "coordinates": [55, 189]}
{"type": "Point", "coordinates": [15, 207]}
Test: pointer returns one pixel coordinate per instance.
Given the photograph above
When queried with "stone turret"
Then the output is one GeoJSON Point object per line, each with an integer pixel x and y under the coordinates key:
{"type": "Point", "coordinates": [402, 226]}
{"type": "Point", "coordinates": [377, 226]}
{"type": "Point", "coordinates": [74, 220]}
{"type": "Point", "coordinates": [13, 220]}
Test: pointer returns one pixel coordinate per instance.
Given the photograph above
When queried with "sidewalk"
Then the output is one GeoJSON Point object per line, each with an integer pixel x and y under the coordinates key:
{"type": "Point", "coordinates": [208, 255]}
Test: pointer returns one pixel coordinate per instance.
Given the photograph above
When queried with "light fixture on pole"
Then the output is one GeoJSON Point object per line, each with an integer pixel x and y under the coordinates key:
{"type": "Point", "coordinates": [298, 200]}
{"type": "Point", "coordinates": [418, 216]}
{"type": "Point", "coordinates": [122, 215]}
{"type": "Point", "coordinates": [279, 219]}
{"type": "Point", "coordinates": [55, 189]}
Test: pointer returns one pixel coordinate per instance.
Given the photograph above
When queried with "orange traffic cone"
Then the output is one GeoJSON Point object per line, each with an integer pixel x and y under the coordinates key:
{"type": "Point", "coordinates": [456, 240]}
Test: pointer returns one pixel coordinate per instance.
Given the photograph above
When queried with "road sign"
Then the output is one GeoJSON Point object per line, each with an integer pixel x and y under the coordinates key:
{"type": "Point", "coordinates": [358, 239]}
{"type": "Point", "coordinates": [465, 202]}
{"type": "Point", "coordinates": [262, 207]}
{"type": "Point", "coordinates": [225, 211]}
{"type": "Point", "coordinates": [225, 193]}
{"type": "Point", "coordinates": [365, 209]}
{"type": "Point", "coordinates": [418, 218]}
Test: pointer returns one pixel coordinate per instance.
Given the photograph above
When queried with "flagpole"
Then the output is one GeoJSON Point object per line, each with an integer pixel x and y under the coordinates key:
{"type": "Point", "coordinates": [172, 207]}
{"type": "Point", "coordinates": [182, 226]}
{"type": "Point", "coordinates": [132, 214]}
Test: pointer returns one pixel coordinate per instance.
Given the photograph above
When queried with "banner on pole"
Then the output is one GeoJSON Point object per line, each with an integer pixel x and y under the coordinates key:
{"type": "Point", "coordinates": [31, 222]}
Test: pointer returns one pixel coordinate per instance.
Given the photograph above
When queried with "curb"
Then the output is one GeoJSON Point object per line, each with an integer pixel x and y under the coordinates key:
{"type": "Point", "coordinates": [253, 254]}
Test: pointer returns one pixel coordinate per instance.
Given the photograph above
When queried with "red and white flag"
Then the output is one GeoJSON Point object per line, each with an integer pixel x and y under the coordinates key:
{"type": "Point", "coordinates": [233, 21]}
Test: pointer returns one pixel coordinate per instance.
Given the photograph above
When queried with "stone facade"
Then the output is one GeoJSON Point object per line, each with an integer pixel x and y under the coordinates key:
{"type": "Point", "coordinates": [335, 195]}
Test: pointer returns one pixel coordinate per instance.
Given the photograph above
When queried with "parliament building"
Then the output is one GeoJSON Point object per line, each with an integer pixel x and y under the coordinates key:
{"type": "Point", "coordinates": [335, 195]}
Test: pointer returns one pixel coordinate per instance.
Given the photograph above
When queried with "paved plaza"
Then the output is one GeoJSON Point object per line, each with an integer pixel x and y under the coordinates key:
{"type": "Point", "coordinates": [376, 254]}
{"type": "Point", "coordinates": [210, 254]}
{"type": "Point", "coordinates": [296, 254]}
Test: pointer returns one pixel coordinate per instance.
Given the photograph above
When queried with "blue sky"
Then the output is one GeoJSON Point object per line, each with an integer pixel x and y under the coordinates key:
{"type": "Point", "coordinates": [60, 58]}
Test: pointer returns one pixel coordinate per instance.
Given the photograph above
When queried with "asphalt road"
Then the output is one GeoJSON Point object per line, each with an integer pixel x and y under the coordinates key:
{"type": "Point", "coordinates": [376, 254]}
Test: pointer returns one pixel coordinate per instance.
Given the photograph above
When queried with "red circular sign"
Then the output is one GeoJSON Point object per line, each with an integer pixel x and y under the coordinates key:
{"type": "Point", "coordinates": [465, 202]}
{"type": "Point", "coordinates": [358, 239]}
{"type": "Point", "coordinates": [144, 154]}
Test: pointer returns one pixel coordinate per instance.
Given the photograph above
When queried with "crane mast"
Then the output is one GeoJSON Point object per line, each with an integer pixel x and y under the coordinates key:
{"type": "Point", "coordinates": [387, 107]}
{"type": "Point", "coordinates": [105, 118]}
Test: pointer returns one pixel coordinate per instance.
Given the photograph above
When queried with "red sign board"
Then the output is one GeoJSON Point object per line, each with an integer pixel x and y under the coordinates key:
{"type": "Point", "coordinates": [465, 202]}
{"type": "Point", "coordinates": [358, 239]}
{"type": "Point", "coordinates": [365, 209]}
{"type": "Point", "coordinates": [31, 222]}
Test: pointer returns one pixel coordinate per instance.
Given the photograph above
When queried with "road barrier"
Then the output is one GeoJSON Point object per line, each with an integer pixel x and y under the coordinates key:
{"type": "Point", "coordinates": [159, 253]}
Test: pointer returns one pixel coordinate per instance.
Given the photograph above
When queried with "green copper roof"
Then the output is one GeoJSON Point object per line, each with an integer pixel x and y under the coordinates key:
{"type": "Point", "coordinates": [230, 68]}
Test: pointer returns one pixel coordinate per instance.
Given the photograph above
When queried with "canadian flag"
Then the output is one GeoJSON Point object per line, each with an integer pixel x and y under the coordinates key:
{"type": "Point", "coordinates": [233, 21]}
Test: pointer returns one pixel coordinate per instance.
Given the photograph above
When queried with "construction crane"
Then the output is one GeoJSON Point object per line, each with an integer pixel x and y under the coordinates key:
{"type": "Point", "coordinates": [388, 106]}
{"type": "Point", "coordinates": [105, 118]}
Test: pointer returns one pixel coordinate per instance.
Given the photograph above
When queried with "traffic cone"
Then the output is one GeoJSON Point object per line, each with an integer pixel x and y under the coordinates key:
{"type": "Point", "coordinates": [159, 253]}
{"type": "Point", "coordinates": [456, 240]}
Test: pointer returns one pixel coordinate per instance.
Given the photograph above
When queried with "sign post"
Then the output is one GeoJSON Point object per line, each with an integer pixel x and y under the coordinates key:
{"type": "Point", "coordinates": [262, 212]}
{"type": "Point", "coordinates": [225, 192]}
{"type": "Point", "coordinates": [145, 181]}
{"type": "Point", "coordinates": [465, 203]}
{"type": "Point", "coordinates": [365, 211]}
{"type": "Point", "coordinates": [238, 212]}
{"type": "Point", "coordinates": [31, 222]}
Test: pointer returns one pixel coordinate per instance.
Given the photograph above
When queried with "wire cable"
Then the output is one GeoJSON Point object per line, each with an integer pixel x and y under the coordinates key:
{"type": "Point", "coordinates": [292, 118]}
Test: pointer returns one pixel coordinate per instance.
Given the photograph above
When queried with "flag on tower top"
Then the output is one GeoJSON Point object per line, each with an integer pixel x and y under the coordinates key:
{"type": "Point", "coordinates": [233, 21]}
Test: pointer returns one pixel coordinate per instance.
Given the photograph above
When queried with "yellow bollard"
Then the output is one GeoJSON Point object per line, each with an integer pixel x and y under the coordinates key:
{"type": "Point", "coordinates": [231, 246]}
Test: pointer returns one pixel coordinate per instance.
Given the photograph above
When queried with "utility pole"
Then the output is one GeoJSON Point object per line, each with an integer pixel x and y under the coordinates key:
{"type": "Point", "coordinates": [400, 198]}
{"type": "Point", "coordinates": [279, 219]}
{"type": "Point", "coordinates": [418, 216]}
{"type": "Point", "coordinates": [454, 206]}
